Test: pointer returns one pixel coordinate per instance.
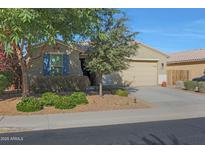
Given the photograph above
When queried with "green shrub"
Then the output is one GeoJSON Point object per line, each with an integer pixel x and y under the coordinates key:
{"type": "Point", "coordinates": [49, 99]}
{"type": "Point", "coordinates": [202, 86]}
{"type": "Point", "coordinates": [78, 98]}
{"type": "Point", "coordinates": [190, 85]}
{"type": "Point", "coordinates": [121, 92]}
{"type": "Point", "coordinates": [3, 83]}
{"type": "Point", "coordinates": [29, 104]}
{"type": "Point", "coordinates": [9, 75]}
{"type": "Point", "coordinates": [64, 103]}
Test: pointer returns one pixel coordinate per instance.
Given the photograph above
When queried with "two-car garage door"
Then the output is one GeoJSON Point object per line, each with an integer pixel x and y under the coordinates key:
{"type": "Point", "coordinates": [141, 73]}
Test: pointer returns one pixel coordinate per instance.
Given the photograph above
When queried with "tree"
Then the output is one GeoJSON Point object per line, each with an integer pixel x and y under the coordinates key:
{"type": "Point", "coordinates": [111, 46]}
{"type": "Point", "coordinates": [5, 61]}
{"type": "Point", "coordinates": [21, 29]}
{"type": "Point", "coordinates": [9, 66]}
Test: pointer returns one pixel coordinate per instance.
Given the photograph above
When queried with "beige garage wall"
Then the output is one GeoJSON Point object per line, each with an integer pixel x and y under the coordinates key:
{"type": "Point", "coordinates": [140, 74]}
{"type": "Point", "coordinates": [195, 70]}
{"type": "Point", "coordinates": [146, 52]}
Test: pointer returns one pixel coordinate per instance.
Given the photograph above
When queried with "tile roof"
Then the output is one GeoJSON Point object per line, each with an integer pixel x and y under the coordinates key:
{"type": "Point", "coordinates": [187, 56]}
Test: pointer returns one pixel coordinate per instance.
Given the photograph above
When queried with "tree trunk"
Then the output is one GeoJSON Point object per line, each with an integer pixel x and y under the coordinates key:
{"type": "Point", "coordinates": [100, 85]}
{"type": "Point", "coordinates": [24, 62]}
{"type": "Point", "coordinates": [25, 85]}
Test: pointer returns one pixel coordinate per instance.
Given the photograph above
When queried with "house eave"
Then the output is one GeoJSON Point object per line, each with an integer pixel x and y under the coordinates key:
{"type": "Point", "coordinates": [143, 59]}
{"type": "Point", "coordinates": [62, 43]}
{"type": "Point", "coordinates": [186, 61]}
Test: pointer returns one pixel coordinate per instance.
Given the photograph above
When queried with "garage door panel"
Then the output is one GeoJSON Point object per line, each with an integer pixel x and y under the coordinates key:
{"type": "Point", "coordinates": [141, 74]}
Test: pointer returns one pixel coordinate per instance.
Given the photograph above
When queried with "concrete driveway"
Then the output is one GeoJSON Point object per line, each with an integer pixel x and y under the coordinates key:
{"type": "Point", "coordinates": [171, 99]}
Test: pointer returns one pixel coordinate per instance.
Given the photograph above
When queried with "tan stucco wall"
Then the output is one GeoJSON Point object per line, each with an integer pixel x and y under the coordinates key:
{"type": "Point", "coordinates": [140, 74]}
{"type": "Point", "coordinates": [37, 65]}
{"type": "Point", "coordinates": [195, 69]}
{"type": "Point", "coordinates": [143, 54]}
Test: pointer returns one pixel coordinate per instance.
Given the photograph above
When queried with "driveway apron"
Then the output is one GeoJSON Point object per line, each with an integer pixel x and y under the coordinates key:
{"type": "Point", "coordinates": [171, 99]}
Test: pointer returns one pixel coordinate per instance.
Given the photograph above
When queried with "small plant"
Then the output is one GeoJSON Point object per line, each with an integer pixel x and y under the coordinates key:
{"type": "Point", "coordinates": [29, 104]}
{"type": "Point", "coordinates": [190, 85]}
{"type": "Point", "coordinates": [3, 83]}
{"type": "Point", "coordinates": [49, 99]}
{"type": "Point", "coordinates": [121, 92]}
{"type": "Point", "coordinates": [64, 103]}
{"type": "Point", "coordinates": [201, 86]}
{"type": "Point", "coordinates": [9, 75]}
{"type": "Point", "coordinates": [78, 98]}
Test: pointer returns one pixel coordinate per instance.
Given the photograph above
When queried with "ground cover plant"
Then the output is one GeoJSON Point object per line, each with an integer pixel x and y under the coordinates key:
{"type": "Point", "coordinates": [65, 102]}
{"type": "Point", "coordinates": [49, 99]}
{"type": "Point", "coordinates": [121, 92]}
{"type": "Point", "coordinates": [31, 104]}
{"type": "Point", "coordinates": [78, 98]}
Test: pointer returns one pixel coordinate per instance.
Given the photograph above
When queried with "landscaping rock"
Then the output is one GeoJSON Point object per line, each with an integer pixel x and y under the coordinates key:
{"type": "Point", "coordinates": [180, 85]}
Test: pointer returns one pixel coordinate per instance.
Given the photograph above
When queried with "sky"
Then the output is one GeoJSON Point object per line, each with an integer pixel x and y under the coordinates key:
{"type": "Point", "coordinates": [168, 30]}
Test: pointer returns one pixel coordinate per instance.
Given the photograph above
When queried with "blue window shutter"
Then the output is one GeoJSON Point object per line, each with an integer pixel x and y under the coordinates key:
{"type": "Point", "coordinates": [65, 64]}
{"type": "Point", "coordinates": [46, 64]}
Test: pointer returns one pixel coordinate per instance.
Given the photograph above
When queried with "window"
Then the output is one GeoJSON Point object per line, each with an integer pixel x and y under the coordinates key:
{"type": "Point", "coordinates": [162, 65]}
{"type": "Point", "coordinates": [56, 64]}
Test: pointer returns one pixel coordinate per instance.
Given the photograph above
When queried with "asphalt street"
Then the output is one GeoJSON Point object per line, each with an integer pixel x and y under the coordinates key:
{"type": "Point", "coordinates": [177, 132]}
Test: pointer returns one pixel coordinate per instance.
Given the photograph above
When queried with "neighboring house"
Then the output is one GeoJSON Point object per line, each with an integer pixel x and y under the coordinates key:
{"type": "Point", "coordinates": [185, 65]}
{"type": "Point", "coordinates": [147, 68]}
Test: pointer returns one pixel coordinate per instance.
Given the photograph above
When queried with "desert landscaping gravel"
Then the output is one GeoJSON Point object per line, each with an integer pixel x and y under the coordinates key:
{"type": "Point", "coordinates": [96, 103]}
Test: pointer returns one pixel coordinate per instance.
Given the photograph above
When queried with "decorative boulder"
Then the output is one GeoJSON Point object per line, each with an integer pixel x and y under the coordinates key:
{"type": "Point", "coordinates": [180, 85]}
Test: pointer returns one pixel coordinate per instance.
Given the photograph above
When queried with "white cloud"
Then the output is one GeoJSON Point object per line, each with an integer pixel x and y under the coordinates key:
{"type": "Point", "coordinates": [186, 35]}
{"type": "Point", "coordinates": [192, 30]}
{"type": "Point", "coordinates": [199, 22]}
{"type": "Point", "coordinates": [149, 30]}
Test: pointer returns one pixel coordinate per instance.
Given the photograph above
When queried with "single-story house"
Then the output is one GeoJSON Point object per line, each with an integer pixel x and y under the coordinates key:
{"type": "Point", "coordinates": [185, 65]}
{"type": "Point", "coordinates": [147, 67]}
